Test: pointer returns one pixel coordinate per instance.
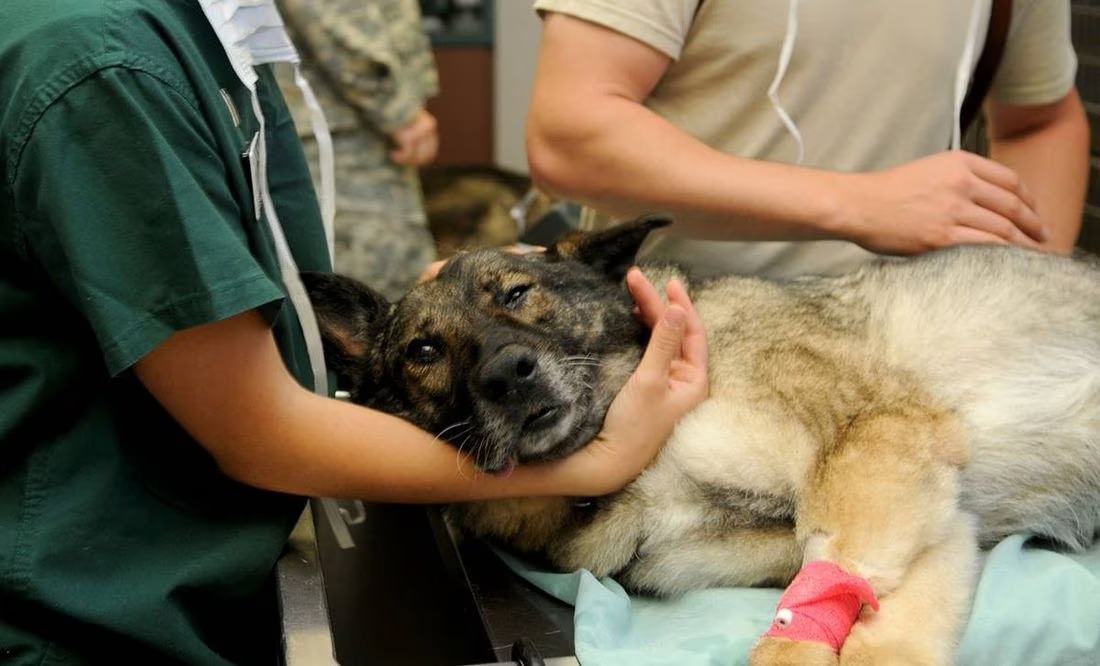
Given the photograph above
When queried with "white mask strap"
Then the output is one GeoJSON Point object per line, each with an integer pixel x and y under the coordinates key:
{"type": "Point", "coordinates": [289, 269]}
{"type": "Point", "coordinates": [325, 157]}
{"type": "Point", "coordinates": [784, 61]}
{"type": "Point", "coordinates": [311, 332]}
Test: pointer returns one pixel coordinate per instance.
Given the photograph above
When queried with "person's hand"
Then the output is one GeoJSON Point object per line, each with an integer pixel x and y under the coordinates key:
{"type": "Point", "coordinates": [417, 143]}
{"type": "Point", "coordinates": [945, 199]}
{"type": "Point", "coordinates": [669, 382]}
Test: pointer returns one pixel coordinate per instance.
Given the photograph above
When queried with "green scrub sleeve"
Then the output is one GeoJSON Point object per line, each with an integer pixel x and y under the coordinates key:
{"type": "Point", "coordinates": [124, 200]}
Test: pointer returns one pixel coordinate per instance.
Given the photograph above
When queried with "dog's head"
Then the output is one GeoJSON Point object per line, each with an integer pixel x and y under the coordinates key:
{"type": "Point", "coordinates": [512, 358]}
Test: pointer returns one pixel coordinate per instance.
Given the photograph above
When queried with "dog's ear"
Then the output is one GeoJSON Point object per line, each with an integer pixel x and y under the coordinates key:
{"type": "Point", "coordinates": [349, 314]}
{"type": "Point", "coordinates": [610, 251]}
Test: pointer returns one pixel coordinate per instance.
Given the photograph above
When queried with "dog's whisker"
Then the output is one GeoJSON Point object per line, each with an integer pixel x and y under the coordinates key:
{"type": "Point", "coordinates": [458, 461]}
{"type": "Point", "coordinates": [582, 360]}
{"type": "Point", "coordinates": [439, 435]}
{"type": "Point", "coordinates": [476, 450]}
{"type": "Point", "coordinates": [472, 447]}
{"type": "Point", "coordinates": [460, 433]}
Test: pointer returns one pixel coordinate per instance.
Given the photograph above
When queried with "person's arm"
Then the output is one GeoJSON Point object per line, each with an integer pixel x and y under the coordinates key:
{"type": "Point", "coordinates": [591, 139]}
{"type": "Point", "coordinates": [1048, 146]}
{"type": "Point", "coordinates": [227, 386]}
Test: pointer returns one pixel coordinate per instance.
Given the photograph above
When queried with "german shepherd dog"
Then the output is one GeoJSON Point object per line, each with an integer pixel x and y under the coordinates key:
{"type": "Point", "coordinates": [890, 421]}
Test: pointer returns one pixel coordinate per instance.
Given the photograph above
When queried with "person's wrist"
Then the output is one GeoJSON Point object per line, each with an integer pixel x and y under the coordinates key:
{"type": "Point", "coordinates": [541, 479]}
{"type": "Point", "coordinates": [834, 206]}
{"type": "Point", "coordinates": [585, 474]}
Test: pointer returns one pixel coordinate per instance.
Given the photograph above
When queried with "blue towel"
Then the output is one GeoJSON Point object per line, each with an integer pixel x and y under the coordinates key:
{"type": "Point", "coordinates": [1033, 607]}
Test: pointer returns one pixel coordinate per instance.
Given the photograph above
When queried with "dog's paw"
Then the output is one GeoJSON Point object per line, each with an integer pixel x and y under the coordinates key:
{"type": "Point", "coordinates": [785, 652]}
{"type": "Point", "coordinates": [870, 646]}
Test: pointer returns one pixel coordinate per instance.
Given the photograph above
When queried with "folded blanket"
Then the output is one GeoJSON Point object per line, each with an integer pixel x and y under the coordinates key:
{"type": "Point", "coordinates": [1033, 607]}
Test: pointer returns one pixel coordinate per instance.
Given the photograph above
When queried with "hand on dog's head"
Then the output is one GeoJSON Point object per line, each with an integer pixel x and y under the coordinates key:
{"type": "Point", "coordinates": [517, 355]}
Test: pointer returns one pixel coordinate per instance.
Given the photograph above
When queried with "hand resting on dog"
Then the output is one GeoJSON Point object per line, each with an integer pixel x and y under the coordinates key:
{"type": "Point", "coordinates": [226, 384]}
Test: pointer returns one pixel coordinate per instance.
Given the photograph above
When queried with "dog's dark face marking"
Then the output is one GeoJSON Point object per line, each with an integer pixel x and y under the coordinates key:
{"type": "Point", "coordinates": [510, 357]}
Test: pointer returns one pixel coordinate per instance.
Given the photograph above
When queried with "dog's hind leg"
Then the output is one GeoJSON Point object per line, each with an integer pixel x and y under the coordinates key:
{"type": "Point", "coordinates": [882, 505]}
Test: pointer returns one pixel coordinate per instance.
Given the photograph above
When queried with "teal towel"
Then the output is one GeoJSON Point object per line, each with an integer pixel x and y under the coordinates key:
{"type": "Point", "coordinates": [1033, 607]}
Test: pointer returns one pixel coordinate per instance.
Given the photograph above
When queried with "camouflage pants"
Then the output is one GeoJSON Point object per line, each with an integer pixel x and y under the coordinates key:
{"type": "Point", "coordinates": [382, 236]}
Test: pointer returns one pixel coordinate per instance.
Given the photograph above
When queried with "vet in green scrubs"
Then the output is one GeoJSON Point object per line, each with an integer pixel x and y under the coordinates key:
{"type": "Point", "coordinates": [126, 214]}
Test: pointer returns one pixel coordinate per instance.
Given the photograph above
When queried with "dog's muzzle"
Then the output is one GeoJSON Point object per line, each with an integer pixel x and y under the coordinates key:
{"type": "Point", "coordinates": [521, 393]}
{"type": "Point", "coordinates": [510, 375]}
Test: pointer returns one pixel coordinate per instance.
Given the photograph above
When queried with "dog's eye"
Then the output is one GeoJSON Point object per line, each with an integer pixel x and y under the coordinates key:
{"type": "Point", "coordinates": [423, 352]}
{"type": "Point", "coordinates": [515, 296]}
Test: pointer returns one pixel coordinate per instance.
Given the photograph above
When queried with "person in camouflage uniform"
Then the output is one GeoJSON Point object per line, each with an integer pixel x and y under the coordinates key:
{"type": "Point", "coordinates": [370, 65]}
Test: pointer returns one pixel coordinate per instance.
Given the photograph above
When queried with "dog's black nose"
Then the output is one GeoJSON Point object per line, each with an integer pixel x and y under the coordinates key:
{"type": "Point", "coordinates": [510, 369]}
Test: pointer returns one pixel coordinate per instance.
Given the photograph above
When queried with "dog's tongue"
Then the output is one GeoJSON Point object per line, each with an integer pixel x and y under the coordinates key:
{"type": "Point", "coordinates": [507, 469]}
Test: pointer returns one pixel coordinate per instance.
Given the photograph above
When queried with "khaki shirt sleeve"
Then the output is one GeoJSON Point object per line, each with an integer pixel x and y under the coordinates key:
{"type": "Point", "coordinates": [661, 24]}
{"type": "Point", "coordinates": [1039, 64]}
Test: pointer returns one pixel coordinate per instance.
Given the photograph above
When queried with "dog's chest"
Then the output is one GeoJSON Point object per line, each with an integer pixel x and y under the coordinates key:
{"type": "Point", "coordinates": [677, 502]}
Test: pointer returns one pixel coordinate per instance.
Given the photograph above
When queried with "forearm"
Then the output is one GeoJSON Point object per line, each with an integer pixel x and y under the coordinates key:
{"type": "Point", "coordinates": [592, 139]}
{"type": "Point", "coordinates": [316, 446]}
{"type": "Point", "coordinates": [1052, 159]}
{"type": "Point", "coordinates": [298, 442]}
{"type": "Point", "coordinates": [622, 158]}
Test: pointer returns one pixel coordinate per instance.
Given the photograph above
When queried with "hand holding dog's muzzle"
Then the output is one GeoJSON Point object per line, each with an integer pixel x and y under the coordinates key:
{"type": "Point", "coordinates": [670, 381]}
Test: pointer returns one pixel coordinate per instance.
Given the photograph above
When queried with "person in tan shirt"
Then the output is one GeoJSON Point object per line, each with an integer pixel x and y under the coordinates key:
{"type": "Point", "coordinates": [818, 159]}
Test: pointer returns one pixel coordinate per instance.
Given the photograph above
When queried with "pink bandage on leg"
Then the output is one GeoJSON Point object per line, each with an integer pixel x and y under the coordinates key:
{"type": "Point", "coordinates": [821, 604]}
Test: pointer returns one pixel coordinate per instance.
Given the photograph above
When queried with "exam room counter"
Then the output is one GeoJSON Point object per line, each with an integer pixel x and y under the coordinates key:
{"type": "Point", "coordinates": [409, 592]}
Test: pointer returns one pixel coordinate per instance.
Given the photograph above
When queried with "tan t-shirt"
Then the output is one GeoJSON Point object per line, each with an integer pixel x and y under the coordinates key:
{"type": "Point", "coordinates": [870, 85]}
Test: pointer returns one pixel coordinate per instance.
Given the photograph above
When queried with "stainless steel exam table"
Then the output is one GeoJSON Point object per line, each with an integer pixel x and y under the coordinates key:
{"type": "Point", "coordinates": [409, 593]}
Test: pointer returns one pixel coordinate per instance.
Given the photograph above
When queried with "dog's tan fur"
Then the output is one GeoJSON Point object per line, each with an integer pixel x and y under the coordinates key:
{"type": "Point", "coordinates": [890, 421]}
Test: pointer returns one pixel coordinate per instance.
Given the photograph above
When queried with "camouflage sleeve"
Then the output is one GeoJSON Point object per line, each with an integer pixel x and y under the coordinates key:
{"type": "Point", "coordinates": [374, 53]}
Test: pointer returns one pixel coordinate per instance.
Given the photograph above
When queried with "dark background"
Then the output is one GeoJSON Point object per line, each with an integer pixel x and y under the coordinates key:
{"type": "Point", "coordinates": [1086, 38]}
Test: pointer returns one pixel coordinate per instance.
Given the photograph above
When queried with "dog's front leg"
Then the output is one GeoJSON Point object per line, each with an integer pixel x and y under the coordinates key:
{"type": "Point", "coordinates": [879, 519]}
{"type": "Point", "coordinates": [919, 622]}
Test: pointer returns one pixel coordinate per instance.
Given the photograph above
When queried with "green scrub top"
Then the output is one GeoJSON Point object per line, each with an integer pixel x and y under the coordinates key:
{"type": "Point", "coordinates": [125, 215]}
